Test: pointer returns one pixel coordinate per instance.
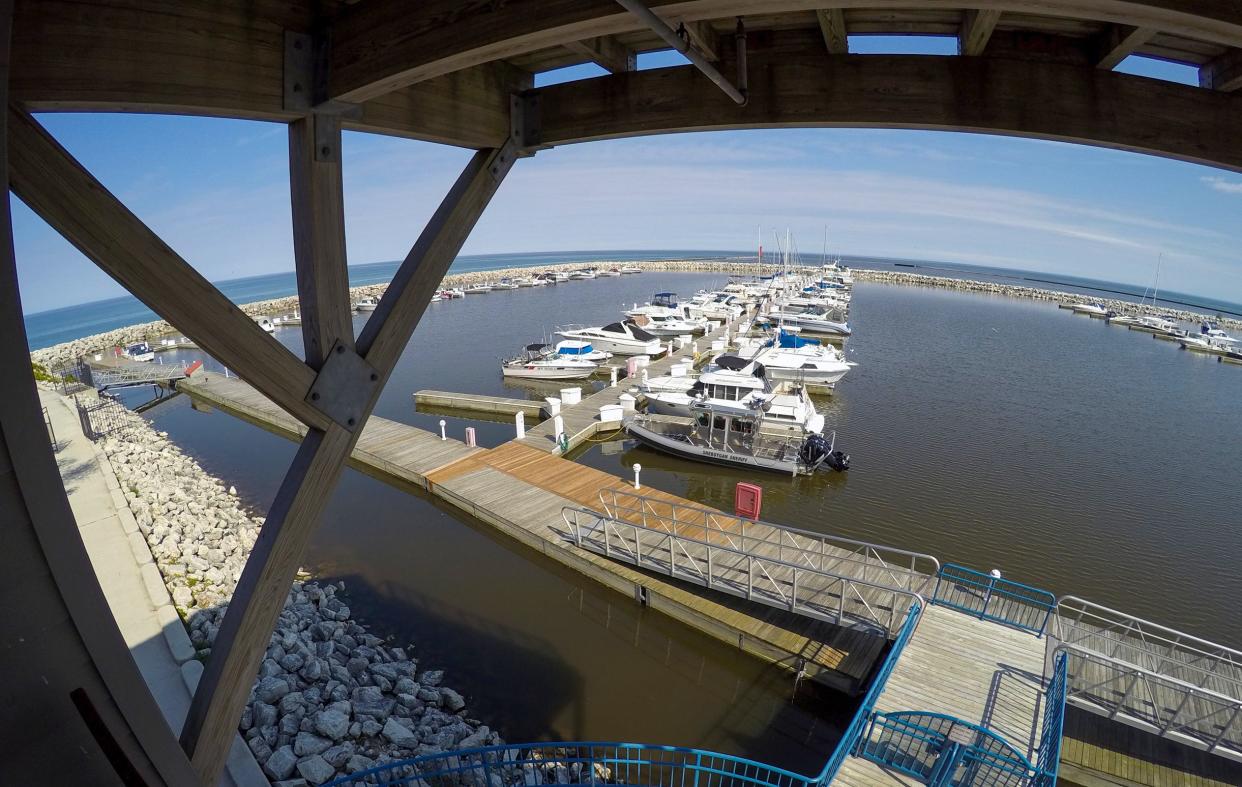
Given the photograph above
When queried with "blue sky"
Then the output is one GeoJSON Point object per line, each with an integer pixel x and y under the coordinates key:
{"type": "Point", "coordinates": [217, 192]}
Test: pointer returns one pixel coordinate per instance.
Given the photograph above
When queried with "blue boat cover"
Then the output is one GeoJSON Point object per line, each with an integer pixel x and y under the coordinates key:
{"type": "Point", "coordinates": [789, 340]}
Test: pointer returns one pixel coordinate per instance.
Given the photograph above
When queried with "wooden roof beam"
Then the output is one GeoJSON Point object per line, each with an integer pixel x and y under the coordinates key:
{"type": "Point", "coordinates": [378, 47]}
{"type": "Point", "coordinates": [977, 27]}
{"type": "Point", "coordinates": [607, 53]}
{"type": "Point", "coordinates": [832, 26]}
{"type": "Point", "coordinates": [1078, 103]}
{"type": "Point", "coordinates": [1118, 42]}
{"type": "Point", "coordinates": [1223, 73]}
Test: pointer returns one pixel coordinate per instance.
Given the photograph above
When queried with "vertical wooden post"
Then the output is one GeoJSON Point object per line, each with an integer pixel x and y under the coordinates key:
{"type": "Point", "coordinates": [260, 594]}
{"type": "Point", "coordinates": [319, 235]}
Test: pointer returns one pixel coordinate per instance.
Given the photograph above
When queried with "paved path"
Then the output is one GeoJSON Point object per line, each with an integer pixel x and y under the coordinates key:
{"type": "Point", "coordinates": [131, 582]}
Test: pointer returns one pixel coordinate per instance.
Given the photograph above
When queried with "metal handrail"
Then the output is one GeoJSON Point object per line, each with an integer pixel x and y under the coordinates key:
{"type": "Point", "coordinates": [785, 582]}
{"type": "Point", "coordinates": [578, 763]}
{"type": "Point", "coordinates": [852, 737]}
{"type": "Point", "coordinates": [915, 571]}
{"type": "Point", "coordinates": [1229, 710]}
{"type": "Point", "coordinates": [991, 597]}
{"type": "Point", "coordinates": [1048, 757]}
{"type": "Point", "coordinates": [1077, 619]}
{"type": "Point", "coordinates": [919, 744]}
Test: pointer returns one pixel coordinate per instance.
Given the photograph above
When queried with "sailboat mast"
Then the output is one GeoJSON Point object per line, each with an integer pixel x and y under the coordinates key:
{"type": "Point", "coordinates": [1156, 289]}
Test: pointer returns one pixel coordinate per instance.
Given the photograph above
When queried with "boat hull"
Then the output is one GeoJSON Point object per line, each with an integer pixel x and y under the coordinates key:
{"type": "Point", "coordinates": [547, 372]}
{"type": "Point", "coordinates": [711, 456]}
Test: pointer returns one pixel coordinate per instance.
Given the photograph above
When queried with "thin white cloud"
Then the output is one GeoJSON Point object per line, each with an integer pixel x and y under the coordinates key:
{"type": "Point", "coordinates": [1220, 184]}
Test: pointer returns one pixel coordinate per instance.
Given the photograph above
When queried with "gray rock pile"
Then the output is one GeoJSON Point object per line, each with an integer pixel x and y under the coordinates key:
{"type": "Point", "coordinates": [331, 698]}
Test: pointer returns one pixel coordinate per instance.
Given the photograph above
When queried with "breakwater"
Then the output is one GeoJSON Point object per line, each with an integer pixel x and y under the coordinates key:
{"type": "Point", "coordinates": [67, 353]}
{"type": "Point", "coordinates": [331, 698]}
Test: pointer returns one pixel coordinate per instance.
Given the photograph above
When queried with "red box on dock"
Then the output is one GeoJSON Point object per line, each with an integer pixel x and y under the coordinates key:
{"type": "Point", "coordinates": [748, 500]}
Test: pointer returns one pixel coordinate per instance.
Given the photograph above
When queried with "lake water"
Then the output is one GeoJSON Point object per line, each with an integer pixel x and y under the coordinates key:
{"type": "Point", "coordinates": [990, 431]}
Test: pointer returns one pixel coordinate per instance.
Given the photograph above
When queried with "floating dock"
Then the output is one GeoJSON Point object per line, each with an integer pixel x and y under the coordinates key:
{"type": "Point", "coordinates": [436, 401]}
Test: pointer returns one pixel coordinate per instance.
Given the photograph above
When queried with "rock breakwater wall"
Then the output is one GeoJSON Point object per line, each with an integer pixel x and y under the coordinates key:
{"type": "Point", "coordinates": [331, 698]}
{"type": "Point", "coordinates": [68, 353]}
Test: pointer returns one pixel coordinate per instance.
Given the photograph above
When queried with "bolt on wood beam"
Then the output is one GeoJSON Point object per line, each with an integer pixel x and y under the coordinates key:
{"type": "Point", "coordinates": [607, 53]}
{"type": "Point", "coordinates": [832, 26]}
{"type": "Point", "coordinates": [319, 237]}
{"type": "Point", "coordinates": [977, 28]}
{"type": "Point", "coordinates": [1223, 73]}
{"type": "Point", "coordinates": [1118, 42]}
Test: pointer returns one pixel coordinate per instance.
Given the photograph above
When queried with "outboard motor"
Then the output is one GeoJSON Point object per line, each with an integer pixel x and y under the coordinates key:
{"type": "Point", "coordinates": [816, 451]}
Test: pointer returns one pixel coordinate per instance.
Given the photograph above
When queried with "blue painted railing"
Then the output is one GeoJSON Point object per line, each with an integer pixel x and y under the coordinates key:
{"type": "Point", "coordinates": [942, 750]}
{"type": "Point", "coordinates": [625, 763]}
{"type": "Point", "coordinates": [993, 598]}
{"type": "Point", "coordinates": [1048, 760]}
{"type": "Point", "coordinates": [579, 763]}
{"type": "Point", "coordinates": [853, 734]}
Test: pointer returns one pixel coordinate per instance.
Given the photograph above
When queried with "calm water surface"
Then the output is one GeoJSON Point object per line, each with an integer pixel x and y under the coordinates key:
{"type": "Point", "coordinates": [994, 432]}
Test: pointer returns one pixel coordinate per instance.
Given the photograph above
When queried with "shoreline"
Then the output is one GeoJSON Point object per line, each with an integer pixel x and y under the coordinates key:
{"type": "Point", "coordinates": [330, 698]}
{"type": "Point", "coordinates": [67, 353]}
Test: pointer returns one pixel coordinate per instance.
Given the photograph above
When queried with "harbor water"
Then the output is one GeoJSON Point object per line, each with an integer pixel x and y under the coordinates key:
{"type": "Point", "coordinates": [989, 431]}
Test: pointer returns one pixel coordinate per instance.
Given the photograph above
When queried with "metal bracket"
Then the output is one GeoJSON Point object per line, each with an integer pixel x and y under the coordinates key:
{"type": "Point", "coordinates": [524, 134]}
{"type": "Point", "coordinates": [306, 87]}
{"type": "Point", "coordinates": [346, 382]}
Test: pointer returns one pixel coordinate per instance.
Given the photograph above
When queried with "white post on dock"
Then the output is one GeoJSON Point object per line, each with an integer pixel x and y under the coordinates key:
{"type": "Point", "coordinates": [558, 426]}
{"type": "Point", "coordinates": [644, 377]}
{"type": "Point", "coordinates": [470, 438]}
{"type": "Point", "coordinates": [612, 375]}
{"type": "Point", "coordinates": [443, 436]}
{"type": "Point", "coordinates": [637, 469]}
{"type": "Point", "coordinates": [670, 348]}
{"type": "Point", "coordinates": [519, 424]}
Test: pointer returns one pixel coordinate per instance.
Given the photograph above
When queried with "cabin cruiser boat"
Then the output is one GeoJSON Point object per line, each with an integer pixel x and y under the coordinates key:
{"type": "Point", "coordinates": [664, 316]}
{"type": "Point", "coordinates": [455, 292]}
{"type": "Point", "coordinates": [505, 284]}
{"type": "Point", "coordinates": [267, 325]}
{"type": "Point", "coordinates": [721, 306]}
{"type": "Point", "coordinates": [576, 348]}
{"type": "Point", "coordinates": [821, 321]}
{"type": "Point", "coordinates": [477, 289]}
{"type": "Point", "coordinates": [1153, 324]}
{"type": "Point", "coordinates": [631, 269]}
{"type": "Point", "coordinates": [580, 275]}
{"type": "Point", "coordinates": [734, 435]}
{"type": "Point", "coordinates": [1232, 356]}
{"type": "Point", "coordinates": [1094, 308]}
{"type": "Point", "coordinates": [366, 304]}
{"type": "Point", "coordinates": [1112, 318]}
{"type": "Point", "coordinates": [140, 351]}
{"type": "Point", "coordinates": [559, 276]}
{"type": "Point", "coordinates": [541, 362]}
{"type": "Point", "coordinates": [791, 358]}
{"type": "Point", "coordinates": [621, 338]}
{"type": "Point", "coordinates": [736, 382]}
{"type": "Point", "coordinates": [611, 273]}
{"type": "Point", "coordinates": [523, 281]}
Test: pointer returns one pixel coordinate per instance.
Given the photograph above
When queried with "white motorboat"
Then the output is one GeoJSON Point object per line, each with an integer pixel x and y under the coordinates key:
{"type": "Point", "coordinates": [366, 304]}
{"type": "Point", "coordinates": [611, 273]}
{"type": "Point", "coordinates": [1121, 319]}
{"type": "Point", "coordinates": [267, 326]}
{"type": "Point", "coordinates": [524, 281]}
{"type": "Point", "coordinates": [140, 351]}
{"type": "Point", "coordinates": [735, 436]}
{"type": "Point", "coordinates": [455, 292]}
{"type": "Point", "coordinates": [721, 306]}
{"type": "Point", "coordinates": [505, 284]}
{"type": "Point", "coordinates": [478, 289]}
{"type": "Point", "coordinates": [559, 276]}
{"type": "Point", "coordinates": [580, 275]}
{"type": "Point", "coordinates": [825, 321]}
{"type": "Point", "coordinates": [436, 297]}
{"type": "Point", "coordinates": [1094, 308]}
{"type": "Point", "coordinates": [576, 348]}
{"type": "Point", "coordinates": [663, 315]}
{"type": "Point", "coordinates": [736, 382]}
{"type": "Point", "coordinates": [541, 362]}
{"type": "Point", "coordinates": [621, 338]}
{"type": "Point", "coordinates": [1152, 324]}
{"type": "Point", "coordinates": [791, 358]}
{"type": "Point", "coordinates": [631, 269]}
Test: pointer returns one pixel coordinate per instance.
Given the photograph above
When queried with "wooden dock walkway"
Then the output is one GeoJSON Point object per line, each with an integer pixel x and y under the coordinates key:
{"type": "Point", "coordinates": [973, 670]}
{"type": "Point", "coordinates": [435, 401]}
{"type": "Point", "coordinates": [520, 489]}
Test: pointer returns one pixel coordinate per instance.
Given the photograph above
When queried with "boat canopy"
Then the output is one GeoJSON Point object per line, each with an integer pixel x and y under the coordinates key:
{"type": "Point", "coordinates": [791, 340]}
{"type": "Point", "coordinates": [737, 364]}
{"type": "Point", "coordinates": [575, 348]}
{"type": "Point", "coordinates": [667, 299]}
{"type": "Point", "coordinates": [536, 348]}
{"type": "Point", "coordinates": [631, 328]}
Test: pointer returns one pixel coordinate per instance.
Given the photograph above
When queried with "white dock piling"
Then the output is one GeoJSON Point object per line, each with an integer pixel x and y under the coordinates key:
{"type": "Point", "coordinates": [637, 469]}
{"type": "Point", "coordinates": [519, 424]}
{"type": "Point", "coordinates": [443, 436]}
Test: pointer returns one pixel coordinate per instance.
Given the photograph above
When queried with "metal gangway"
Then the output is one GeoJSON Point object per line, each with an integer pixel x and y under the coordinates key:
{"type": "Point", "coordinates": [839, 581]}
{"type": "Point", "coordinates": [1119, 666]}
{"type": "Point", "coordinates": [1150, 676]}
{"type": "Point", "coordinates": [120, 374]}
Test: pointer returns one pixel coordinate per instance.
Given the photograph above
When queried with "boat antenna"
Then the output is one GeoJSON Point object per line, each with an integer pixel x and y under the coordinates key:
{"type": "Point", "coordinates": [1159, 262]}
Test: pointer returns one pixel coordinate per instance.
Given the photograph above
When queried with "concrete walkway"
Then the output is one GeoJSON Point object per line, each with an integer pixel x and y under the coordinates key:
{"type": "Point", "coordinates": [131, 581]}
